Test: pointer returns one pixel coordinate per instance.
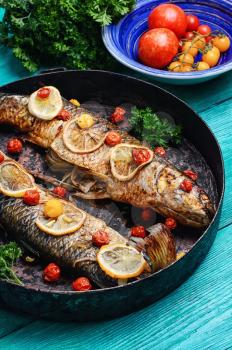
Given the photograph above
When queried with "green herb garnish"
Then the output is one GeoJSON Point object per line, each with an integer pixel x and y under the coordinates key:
{"type": "Point", "coordinates": [9, 253]}
{"type": "Point", "coordinates": [154, 130]}
{"type": "Point", "coordinates": [60, 32]}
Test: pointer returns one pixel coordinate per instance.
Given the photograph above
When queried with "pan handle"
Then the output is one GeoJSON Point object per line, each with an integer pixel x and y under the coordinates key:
{"type": "Point", "coordinates": [53, 70]}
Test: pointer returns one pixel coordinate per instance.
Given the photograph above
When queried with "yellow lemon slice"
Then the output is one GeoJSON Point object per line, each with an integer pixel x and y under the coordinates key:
{"type": "Point", "coordinates": [71, 220]}
{"type": "Point", "coordinates": [121, 261]}
{"type": "Point", "coordinates": [123, 166]}
{"type": "Point", "coordinates": [14, 180]}
{"type": "Point", "coordinates": [45, 108]}
{"type": "Point", "coordinates": [84, 140]}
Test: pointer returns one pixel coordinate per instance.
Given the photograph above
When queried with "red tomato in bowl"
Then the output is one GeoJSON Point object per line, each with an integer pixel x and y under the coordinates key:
{"type": "Point", "coordinates": [157, 47]}
{"type": "Point", "coordinates": [168, 16]}
{"type": "Point", "coordinates": [192, 23]}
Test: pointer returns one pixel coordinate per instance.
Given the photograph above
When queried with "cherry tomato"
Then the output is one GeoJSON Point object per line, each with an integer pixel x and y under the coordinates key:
{"type": "Point", "coordinates": [158, 47]}
{"type": "Point", "coordinates": [190, 48]}
{"type": "Point", "coordinates": [118, 115]}
{"type": "Point", "coordinates": [43, 93]}
{"type": "Point", "coordinates": [211, 56]}
{"type": "Point", "coordinates": [1, 158]}
{"type": "Point", "coordinates": [52, 273]}
{"type": "Point", "coordinates": [189, 35]}
{"type": "Point", "coordinates": [175, 66]}
{"type": "Point", "coordinates": [199, 42]}
{"type": "Point", "coordinates": [31, 197]}
{"type": "Point", "coordinates": [209, 38]}
{"type": "Point", "coordinates": [186, 59]}
{"type": "Point", "coordinates": [168, 16]}
{"type": "Point", "coordinates": [100, 238]}
{"type": "Point", "coordinates": [82, 284]}
{"type": "Point", "coordinates": [60, 191]}
{"type": "Point", "coordinates": [160, 150]}
{"type": "Point", "coordinates": [64, 115]}
{"type": "Point", "coordinates": [170, 223]}
{"type": "Point", "coordinates": [14, 146]}
{"type": "Point", "coordinates": [138, 231]}
{"type": "Point", "coordinates": [141, 156]}
{"type": "Point", "coordinates": [204, 29]}
{"type": "Point", "coordinates": [186, 186]}
{"type": "Point", "coordinates": [186, 68]}
{"type": "Point", "coordinates": [192, 23]}
{"type": "Point", "coordinates": [113, 138]}
{"type": "Point", "coordinates": [147, 214]}
{"type": "Point", "coordinates": [202, 66]}
{"type": "Point", "coordinates": [191, 174]}
{"type": "Point", "coordinates": [222, 42]}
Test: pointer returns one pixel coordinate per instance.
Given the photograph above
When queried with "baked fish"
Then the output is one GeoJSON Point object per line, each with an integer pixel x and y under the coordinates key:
{"type": "Point", "coordinates": [110, 171]}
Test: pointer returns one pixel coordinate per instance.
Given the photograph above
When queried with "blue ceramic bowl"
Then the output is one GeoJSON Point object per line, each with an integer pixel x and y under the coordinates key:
{"type": "Point", "coordinates": [122, 39]}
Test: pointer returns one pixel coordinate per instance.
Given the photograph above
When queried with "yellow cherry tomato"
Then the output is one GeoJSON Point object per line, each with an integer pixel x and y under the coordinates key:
{"type": "Point", "coordinates": [222, 42]}
{"type": "Point", "coordinates": [174, 66]}
{"type": "Point", "coordinates": [189, 47]}
{"type": "Point", "coordinates": [186, 68]}
{"type": "Point", "coordinates": [53, 208]}
{"type": "Point", "coordinates": [85, 121]}
{"type": "Point", "coordinates": [202, 66]}
{"type": "Point", "coordinates": [211, 56]}
{"type": "Point", "coordinates": [186, 59]}
{"type": "Point", "coordinates": [199, 42]}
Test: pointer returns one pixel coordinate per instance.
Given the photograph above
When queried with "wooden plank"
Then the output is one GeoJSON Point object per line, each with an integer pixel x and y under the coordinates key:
{"type": "Point", "coordinates": [196, 316]}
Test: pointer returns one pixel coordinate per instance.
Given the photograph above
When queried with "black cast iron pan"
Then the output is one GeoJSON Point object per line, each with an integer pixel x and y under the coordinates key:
{"type": "Point", "coordinates": [114, 89]}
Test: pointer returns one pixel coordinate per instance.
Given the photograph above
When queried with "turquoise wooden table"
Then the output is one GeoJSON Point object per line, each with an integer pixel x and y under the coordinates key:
{"type": "Point", "coordinates": [198, 315]}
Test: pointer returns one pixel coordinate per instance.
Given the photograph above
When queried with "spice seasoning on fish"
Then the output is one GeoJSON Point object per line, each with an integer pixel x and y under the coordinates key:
{"type": "Point", "coordinates": [160, 151]}
{"type": "Point", "coordinates": [43, 93]}
{"type": "Point", "coordinates": [31, 197]}
{"type": "Point", "coordinates": [141, 156]}
{"type": "Point", "coordinates": [82, 284]}
{"type": "Point", "coordinates": [113, 138]}
{"type": "Point", "coordinates": [60, 191]}
{"type": "Point", "coordinates": [100, 238]}
{"type": "Point", "coordinates": [1, 158]}
{"type": "Point", "coordinates": [118, 115]}
{"type": "Point", "coordinates": [191, 174]}
{"type": "Point", "coordinates": [14, 146]}
{"type": "Point", "coordinates": [170, 223]}
{"type": "Point", "coordinates": [186, 186]}
{"type": "Point", "coordinates": [64, 115]}
{"type": "Point", "coordinates": [52, 273]}
{"type": "Point", "coordinates": [138, 231]}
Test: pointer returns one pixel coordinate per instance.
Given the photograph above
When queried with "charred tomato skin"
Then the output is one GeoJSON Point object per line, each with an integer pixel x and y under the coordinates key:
{"type": "Point", "coordinates": [14, 146]}
{"type": "Point", "coordinates": [82, 284]}
{"type": "Point", "coordinates": [52, 273]}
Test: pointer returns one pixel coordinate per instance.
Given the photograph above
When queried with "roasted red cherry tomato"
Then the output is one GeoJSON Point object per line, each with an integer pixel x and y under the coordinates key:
{"type": "Point", "coordinates": [82, 284]}
{"type": "Point", "coordinates": [160, 151]}
{"type": "Point", "coordinates": [52, 273]}
{"type": "Point", "coordinates": [186, 186]}
{"type": "Point", "coordinates": [170, 223]}
{"type": "Point", "coordinates": [1, 158]}
{"type": "Point", "coordinates": [64, 115]}
{"type": "Point", "coordinates": [113, 138]}
{"type": "Point", "coordinates": [43, 93]}
{"type": "Point", "coordinates": [31, 197]}
{"type": "Point", "coordinates": [189, 36]}
{"type": "Point", "coordinates": [138, 231]}
{"type": "Point", "coordinates": [168, 16]}
{"type": "Point", "coordinates": [14, 146]}
{"type": "Point", "coordinates": [141, 156]}
{"type": "Point", "coordinates": [192, 23]}
{"type": "Point", "coordinates": [118, 115]}
{"type": "Point", "coordinates": [158, 47]}
{"type": "Point", "coordinates": [147, 214]}
{"type": "Point", "coordinates": [204, 29]}
{"type": "Point", "coordinates": [191, 174]}
{"type": "Point", "coordinates": [60, 191]}
{"type": "Point", "coordinates": [100, 238]}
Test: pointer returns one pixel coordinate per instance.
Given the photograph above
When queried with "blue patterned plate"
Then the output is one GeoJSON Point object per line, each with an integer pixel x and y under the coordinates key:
{"type": "Point", "coordinates": [121, 40]}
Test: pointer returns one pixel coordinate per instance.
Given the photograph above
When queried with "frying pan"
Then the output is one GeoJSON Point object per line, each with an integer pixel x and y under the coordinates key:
{"type": "Point", "coordinates": [114, 89]}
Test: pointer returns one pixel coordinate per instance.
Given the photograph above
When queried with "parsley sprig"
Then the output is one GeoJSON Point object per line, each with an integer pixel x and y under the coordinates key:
{"type": "Point", "coordinates": [154, 130]}
{"type": "Point", "coordinates": [9, 253]}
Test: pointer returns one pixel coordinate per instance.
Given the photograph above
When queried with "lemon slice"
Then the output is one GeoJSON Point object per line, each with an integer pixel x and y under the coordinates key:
{"type": "Point", "coordinates": [121, 261]}
{"type": "Point", "coordinates": [14, 180]}
{"type": "Point", "coordinates": [123, 166]}
{"type": "Point", "coordinates": [83, 140]}
{"type": "Point", "coordinates": [68, 222]}
{"type": "Point", "coordinates": [46, 108]}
